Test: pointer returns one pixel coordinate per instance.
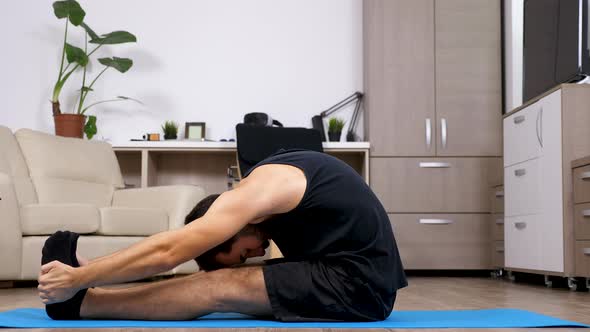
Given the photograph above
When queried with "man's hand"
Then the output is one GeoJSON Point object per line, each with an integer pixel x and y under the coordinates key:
{"type": "Point", "coordinates": [58, 282]}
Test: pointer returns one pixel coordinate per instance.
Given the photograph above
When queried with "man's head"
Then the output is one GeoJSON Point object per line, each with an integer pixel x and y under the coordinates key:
{"type": "Point", "coordinates": [249, 242]}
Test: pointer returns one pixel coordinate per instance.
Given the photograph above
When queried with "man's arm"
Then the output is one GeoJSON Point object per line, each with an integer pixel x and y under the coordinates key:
{"type": "Point", "coordinates": [269, 190]}
{"type": "Point", "coordinates": [164, 251]}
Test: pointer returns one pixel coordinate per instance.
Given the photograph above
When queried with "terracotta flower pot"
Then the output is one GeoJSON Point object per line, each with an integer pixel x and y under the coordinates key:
{"type": "Point", "coordinates": [69, 125]}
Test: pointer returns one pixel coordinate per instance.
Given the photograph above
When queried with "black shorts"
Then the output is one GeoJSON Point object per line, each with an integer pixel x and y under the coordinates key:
{"type": "Point", "coordinates": [320, 291]}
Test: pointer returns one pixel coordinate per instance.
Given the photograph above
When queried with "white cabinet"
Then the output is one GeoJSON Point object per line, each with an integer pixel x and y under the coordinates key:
{"type": "Point", "coordinates": [522, 189]}
{"type": "Point", "coordinates": [521, 135]}
{"type": "Point", "coordinates": [522, 242]}
{"type": "Point", "coordinates": [534, 237]}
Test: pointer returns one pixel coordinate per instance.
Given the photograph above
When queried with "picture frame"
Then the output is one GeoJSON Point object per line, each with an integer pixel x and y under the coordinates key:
{"type": "Point", "coordinates": [194, 131]}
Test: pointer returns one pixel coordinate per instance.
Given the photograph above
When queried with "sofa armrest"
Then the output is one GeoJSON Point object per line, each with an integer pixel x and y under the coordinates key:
{"type": "Point", "coordinates": [11, 236]}
{"type": "Point", "coordinates": [176, 200]}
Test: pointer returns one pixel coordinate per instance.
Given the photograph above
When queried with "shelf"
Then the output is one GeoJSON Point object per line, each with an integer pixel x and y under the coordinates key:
{"type": "Point", "coordinates": [230, 146]}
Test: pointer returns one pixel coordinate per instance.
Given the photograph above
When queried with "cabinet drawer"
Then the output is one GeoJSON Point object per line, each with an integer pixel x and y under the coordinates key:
{"type": "Point", "coordinates": [583, 258]}
{"type": "Point", "coordinates": [498, 254]}
{"type": "Point", "coordinates": [497, 226]}
{"type": "Point", "coordinates": [497, 199]}
{"type": "Point", "coordinates": [442, 241]}
{"type": "Point", "coordinates": [522, 135]}
{"type": "Point", "coordinates": [582, 184]}
{"type": "Point", "coordinates": [582, 221]}
{"type": "Point", "coordinates": [522, 189]}
{"type": "Point", "coordinates": [445, 185]}
{"type": "Point", "coordinates": [522, 242]}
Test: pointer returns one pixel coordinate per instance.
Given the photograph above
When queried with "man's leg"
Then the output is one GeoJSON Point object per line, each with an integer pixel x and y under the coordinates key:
{"type": "Point", "coordinates": [228, 290]}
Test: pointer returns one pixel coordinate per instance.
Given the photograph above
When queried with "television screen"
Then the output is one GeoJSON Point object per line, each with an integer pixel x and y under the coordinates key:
{"type": "Point", "coordinates": [553, 44]}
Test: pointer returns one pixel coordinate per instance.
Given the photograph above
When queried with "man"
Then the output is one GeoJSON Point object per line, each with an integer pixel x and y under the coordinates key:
{"type": "Point", "coordinates": [340, 257]}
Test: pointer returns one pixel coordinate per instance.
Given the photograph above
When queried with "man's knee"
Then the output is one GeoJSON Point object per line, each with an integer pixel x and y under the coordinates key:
{"type": "Point", "coordinates": [236, 286]}
{"type": "Point", "coordinates": [250, 277]}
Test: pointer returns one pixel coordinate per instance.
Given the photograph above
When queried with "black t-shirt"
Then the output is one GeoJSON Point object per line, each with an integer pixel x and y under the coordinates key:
{"type": "Point", "coordinates": [339, 219]}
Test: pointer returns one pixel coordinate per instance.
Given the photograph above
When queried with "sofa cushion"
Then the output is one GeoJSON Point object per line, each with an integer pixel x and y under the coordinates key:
{"type": "Point", "coordinates": [10, 236]}
{"type": "Point", "coordinates": [55, 191]}
{"type": "Point", "coordinates": [53, 161]}
{"type": "Point", "coordinates": [132, 221]}
{"type": "Point", "coordinates": [13, 163]}
{"type": "Point", "coordinates": [69, 158]}
{"type": "Point", "coordinates": [46, 219]}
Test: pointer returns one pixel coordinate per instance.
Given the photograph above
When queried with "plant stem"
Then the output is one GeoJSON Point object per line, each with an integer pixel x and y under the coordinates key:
{"type": "Point", "coordinates": [68, 66]}
{"type": "Point", "coordinates": [82, 94]}
{"type": "Point", "coordinates": [63, 52]}
{"type": "Point", "coordinates": [97, 76]}
{"type": "Point", "coordinates": [74, 105]}
{"type": "Point", "coordinates": [94, 50]}
{"type": "Point", "coordinates": [59, 84]}
{"type": "Point", "coordinates": [92, 84]}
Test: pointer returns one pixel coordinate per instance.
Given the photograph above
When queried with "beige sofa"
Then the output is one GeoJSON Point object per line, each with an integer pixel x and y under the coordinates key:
{"type": "Point", "coordinates": [50, 183]}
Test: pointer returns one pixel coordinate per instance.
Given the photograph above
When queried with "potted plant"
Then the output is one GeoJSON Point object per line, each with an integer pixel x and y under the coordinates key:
{"type": "Point", "coordinates": [170, 129]}
{"type": "Point", "coordinates": [73, 124]}
{"type": "Point", "coordinates": [335, 126]}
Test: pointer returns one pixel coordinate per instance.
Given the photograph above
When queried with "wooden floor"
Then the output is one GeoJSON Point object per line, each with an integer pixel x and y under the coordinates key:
{"type": "Point", "coordinates": [424, 293]}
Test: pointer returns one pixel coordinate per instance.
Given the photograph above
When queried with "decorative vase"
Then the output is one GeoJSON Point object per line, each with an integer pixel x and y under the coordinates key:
{"type": "Point", "coordinates": [170, 136]}
{"type": "Point", "coordinates": [334, 136]}
{"type": "Point", "coordinates": [69, 125]}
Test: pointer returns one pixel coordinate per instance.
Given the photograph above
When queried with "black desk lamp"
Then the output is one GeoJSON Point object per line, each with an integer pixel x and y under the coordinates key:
{"type": "Point", "coordinates": [318, 120]}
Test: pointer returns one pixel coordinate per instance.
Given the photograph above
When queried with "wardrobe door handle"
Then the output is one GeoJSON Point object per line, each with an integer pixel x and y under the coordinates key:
{"type": "Point", "coordinates": [585, 176]}
{"type": "Point", "coordinates": [436, 221]}
{"type": "Point", "coordinates": [519, 119]}
{"type": "Point", "coordinates": [520, 224]}
{"type": "Point", "coordinates": [500, 193]}
{"type": "Point", "coordinates": [499, 249]}
{"type": "Point", "coordinates": [540, 127]}
{"type": "Point", "coordinates": [587, 251]}
{"type": "Point", "coordinates": [428, 133]}
{"type": "Point", "coordinates": [434, 165]}
{"type": "Point", "coordinates": [586, 213]}
{"type": "Point", "coordinates": [520, 172]}
{"type": "Point", "coordinates": [499, 221]}
{"type": "Point", "coordinates": [443, 132]}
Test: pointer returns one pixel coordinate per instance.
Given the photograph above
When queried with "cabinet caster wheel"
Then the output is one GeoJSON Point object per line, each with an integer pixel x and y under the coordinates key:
{"type": "Point", "coordinates": [572, 284]}
{"type": "Point", "coordinates": [497, 274]}
{"type": "Point", "coordinates": [511, 276]}
{"type": "Point", "coordinates": [578, 284]}
{"type": "Point", "coordinates": [548, 282]}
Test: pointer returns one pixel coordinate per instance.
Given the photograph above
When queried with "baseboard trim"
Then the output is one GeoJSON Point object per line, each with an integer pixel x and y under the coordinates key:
{"type": "Point", "coordinates": [6, 284]}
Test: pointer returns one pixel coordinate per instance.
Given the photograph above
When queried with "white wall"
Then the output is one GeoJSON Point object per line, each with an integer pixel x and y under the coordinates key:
{"type": "Point", "coordinates": [195, 61]}
{"type": "Point", "coordinates": [513, 34]}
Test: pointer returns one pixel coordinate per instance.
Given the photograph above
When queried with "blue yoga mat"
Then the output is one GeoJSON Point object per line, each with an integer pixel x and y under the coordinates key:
{"type": "Point", "coordinates": [491, 318]}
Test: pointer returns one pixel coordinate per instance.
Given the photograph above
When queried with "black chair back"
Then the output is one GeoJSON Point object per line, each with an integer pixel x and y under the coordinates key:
{"type": "Point", "coordinates": [256, 143]}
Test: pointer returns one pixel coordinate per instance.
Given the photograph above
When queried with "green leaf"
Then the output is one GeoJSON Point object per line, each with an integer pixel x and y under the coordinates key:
{"type": "Point", "coordinates": [115, 37]}
{"type": "Point", "coordinates": [90, 127]}
{"type": "Point", "coordinates": [70, 9]}
{"type": "Point", "coordinates": [76, 54]}
{"type": "Point", "coordinates": [120, 64]}
{"type": "Point", "coordinates": [86, 89]}
{"type": "Point", "coordinates": [89, 31]}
